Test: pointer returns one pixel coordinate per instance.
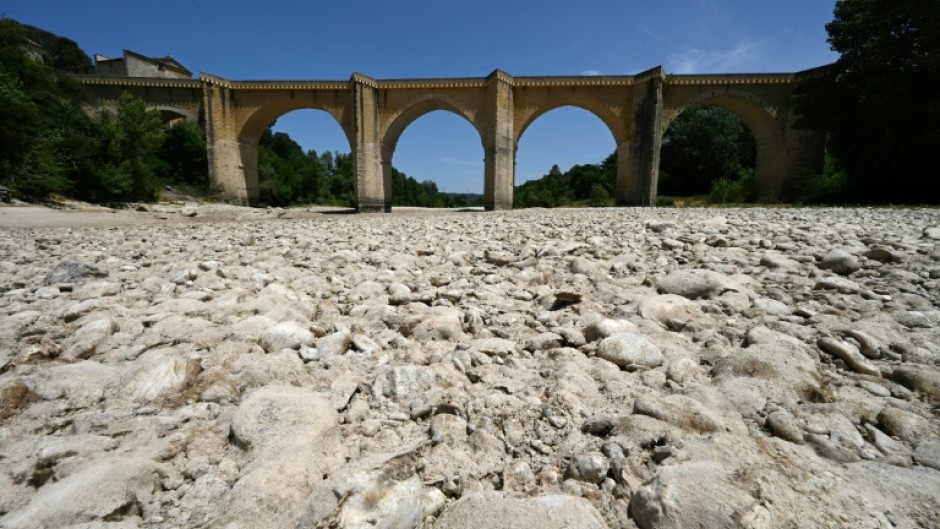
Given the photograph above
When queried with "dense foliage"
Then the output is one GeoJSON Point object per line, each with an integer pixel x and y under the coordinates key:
{"type": "Point", "coordinates": [582, 185]}
{"type": "Point", "coordinates": [879, 103]}
{"type": "Point", "coordinates": [288, 175]}
{"type": "Point", "coordinates": [49, 145]}
{"type": "Point", "coordinates": [701, 147]}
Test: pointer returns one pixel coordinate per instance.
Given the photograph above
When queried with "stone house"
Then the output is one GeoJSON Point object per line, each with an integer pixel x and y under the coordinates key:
{"type": "Point", "coordinates": [133, 64]}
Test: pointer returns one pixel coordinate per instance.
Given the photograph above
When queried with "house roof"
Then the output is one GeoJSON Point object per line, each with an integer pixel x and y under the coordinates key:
{"type": "Point", "coordinates": [166, 62]}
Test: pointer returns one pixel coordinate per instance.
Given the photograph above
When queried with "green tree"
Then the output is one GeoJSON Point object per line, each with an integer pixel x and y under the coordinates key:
{"type": "Point", "coordinates": [704, 145]}
{"type": "Point", "coordinates": [131, 137]}
{"type": "Point", "coordinates": [46, 140]}
{"type": "Point", "coordinates": [879, 104]}
{"type": "Point", "coordinates": [184, 156]}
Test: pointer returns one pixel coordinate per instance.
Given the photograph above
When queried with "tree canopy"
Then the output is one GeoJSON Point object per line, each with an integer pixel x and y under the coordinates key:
{"type": "Point", "coordinates": [702, 146]}
{"type": "Point", "coordinates": [879, 103]}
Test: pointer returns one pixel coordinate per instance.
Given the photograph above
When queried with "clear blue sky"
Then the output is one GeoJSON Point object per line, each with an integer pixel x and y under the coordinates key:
{"type": "Point", "coordinates": [330, 39]}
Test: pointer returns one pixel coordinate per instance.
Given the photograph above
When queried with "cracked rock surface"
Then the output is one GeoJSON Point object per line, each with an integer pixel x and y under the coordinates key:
{"type": "Point", "coordinates": [596, 368]}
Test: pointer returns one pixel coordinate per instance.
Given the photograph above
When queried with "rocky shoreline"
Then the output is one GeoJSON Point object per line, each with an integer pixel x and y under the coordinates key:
{"type": "Point", "coordinates": [597, 368]}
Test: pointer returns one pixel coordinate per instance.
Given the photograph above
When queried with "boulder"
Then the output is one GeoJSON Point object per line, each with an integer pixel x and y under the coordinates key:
{"type": "Point", "coordinates": [496, 510]}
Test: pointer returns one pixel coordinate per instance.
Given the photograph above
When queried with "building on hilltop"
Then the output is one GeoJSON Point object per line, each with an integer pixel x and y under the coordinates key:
{"type": "Point", "coordinates": [133, 64]}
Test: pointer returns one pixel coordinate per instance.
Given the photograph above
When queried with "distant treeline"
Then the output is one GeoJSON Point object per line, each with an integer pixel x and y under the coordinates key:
{"type": "Point", "coordinates": [288, 175]}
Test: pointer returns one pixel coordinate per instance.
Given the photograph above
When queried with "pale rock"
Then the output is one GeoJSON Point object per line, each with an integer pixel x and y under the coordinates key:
{"type": "Point", "coordinates": [278, 415]}
{"type": "Point", "coordinates": [775, 260]}
{"type": "Point", "coordinates": [785, 426]}
{"type": "Point", "coordinates": [398, 289]}
{"type": "Point", "coordinates": [88, 337]}
{"type": "Point", "coordinates": [841, 284]}
{"type": "Point", "coordinates": [868, 344]}
{"type": "Point", "coordinates": [693, 494]}
{"type": "Point", "coordinates": [494, 346]}
{"type": "Point", "coordinates": [401, 381]}
{"type": "Point", "coordinates": [97, 492]}
{"type": "Point", "coordinates": [697, 284]}
{"type": "Point", "coordinates": [680, 411]}
{"type": "Point", "coordinates": [47, 293]}
{"type": "Point", "coordinates": [629, 351]}
{"type": "Point", "coordinates": [840, 262]}
{"type": "Point", "coordinates": [163, 379]}
{"type": "Point", "coordinates": [591, 467]}
{"type": "Point", "coordinates": [364, 344]}
{"type": "Point", "coordinates": [927, 453]}
{"type": "Point", "coordinates": [580, 265]}
{"type": "Point", "coordinates": [72, 272]}
{"type": "Point", "coordinates": [440, 323]}
{"type": "Point", "coordinates": [669, 310]}
{"type": "Point", "coordinates": [498, 510]}
{"type": "Point", "coordinates": [923, 379]}
{"type": "Point", "coordinates": [433, 502]}
{"type": "Point", "coordinates": [543, 341]}
{"type": "Point", "coordinates": [905, 425]}
{"type": "Point", "coordinates": [382, 490]}
{"type": "Point", "coordinates": [334, 344]}
{"type": "Point", "coordinates": [518, 476]}
{"type": "Point", "coordinates": [601, 328]}
{"type": "Point", "coordinates": [682, 370]}
{"type": "Point", "coordinates": [286, 335]}
{"type": "Point", "coordinates": [772, 307]}
{"type": "Point", "coordinates": [849, 354]}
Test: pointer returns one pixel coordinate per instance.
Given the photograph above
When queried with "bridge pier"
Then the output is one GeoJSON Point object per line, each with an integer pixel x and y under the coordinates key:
{"type": "Point", "coordinates": [638, 155]}
{"type": "Point", "coordinates": [372, 178]}
{"type": "Point", "coordinates": [499, 150]}
{"type": "Point", "coordinates": [227, 163]}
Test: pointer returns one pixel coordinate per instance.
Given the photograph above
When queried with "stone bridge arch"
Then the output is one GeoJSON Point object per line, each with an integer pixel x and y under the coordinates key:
{"type": "Point", "coordinates": [258, 109]}
{"type": "Point", "coordinates": [374, 113]}
{"type": "Point", "coordinates": [762, 102]}
{"type": "Point", "coordinates": [403, 111]}
{"type": "Point", "coordinates": [173, 98]}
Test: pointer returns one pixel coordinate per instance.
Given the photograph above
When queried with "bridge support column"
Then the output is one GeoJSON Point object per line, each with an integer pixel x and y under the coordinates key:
{"type": "Point", "coordinates": [226, 162]}
{"type": "Point", "coordinates": [371, 193]}
{"type": "Point", "coordinates": [499, 150]}
{"type": "Point", "coordinates": [638, 157]}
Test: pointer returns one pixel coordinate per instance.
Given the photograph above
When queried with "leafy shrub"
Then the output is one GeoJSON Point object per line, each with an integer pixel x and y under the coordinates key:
{"type": "Point", "coordinates": [828, 187]}
{"type": "Point", "coordinates": [737, 191]}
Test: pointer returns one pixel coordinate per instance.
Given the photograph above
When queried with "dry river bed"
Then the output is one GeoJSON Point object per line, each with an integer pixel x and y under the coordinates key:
{"type": "Point", "coordinates": [224, 368]}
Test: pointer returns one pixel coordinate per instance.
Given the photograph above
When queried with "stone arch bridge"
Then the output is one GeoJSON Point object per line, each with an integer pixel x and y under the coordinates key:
{"type": "Point", "coordinates": [373, 114]}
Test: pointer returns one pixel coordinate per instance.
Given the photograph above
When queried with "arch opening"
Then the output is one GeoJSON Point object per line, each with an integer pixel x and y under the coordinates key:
{"type": "Point", "coordinates": [702, 146]}
{"type": "Point", "coordinates": [172, 116]}
{"type": "Point", "coordinates": [770, 150]}
{"type": "Point", "coordinates": [565, 156]}
{"type": "Point", "coordinates": [301, 156]}
{"type": "Point", "coordinates": [433, 157]}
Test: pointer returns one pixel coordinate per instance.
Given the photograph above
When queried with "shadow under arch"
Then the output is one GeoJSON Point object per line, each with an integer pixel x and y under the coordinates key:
{"type": "Point", "coordinates": [397, 126]}
{"type": "Point", "coordinates": [172, 114]}
{"type": "Point", "coordinates": [254, 125]}
{"type": "Point", "coordinates": [760, 118]}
